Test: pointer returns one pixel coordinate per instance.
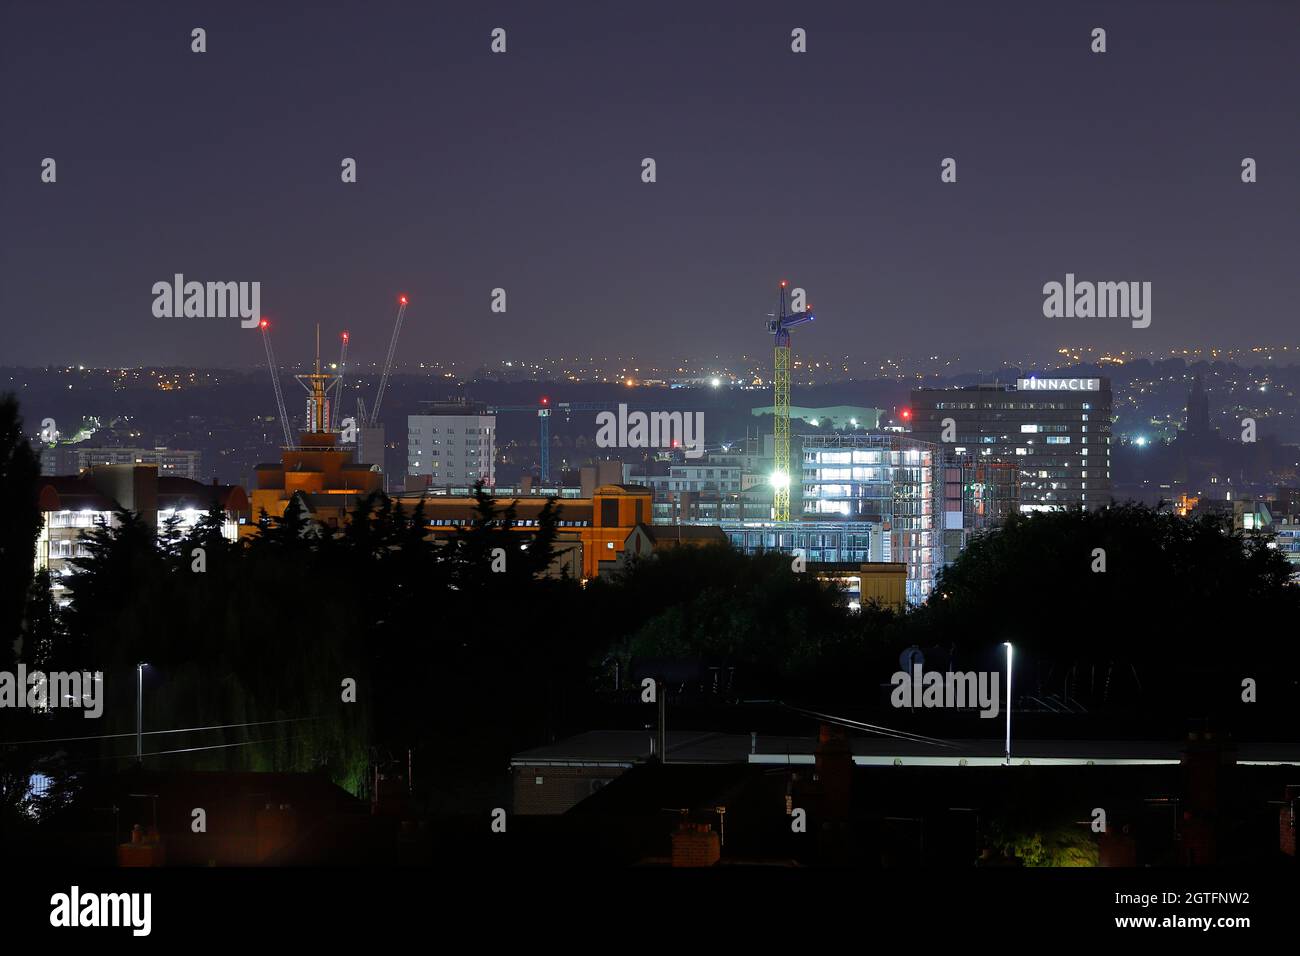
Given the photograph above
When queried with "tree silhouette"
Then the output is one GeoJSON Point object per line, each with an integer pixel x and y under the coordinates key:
{"type": "Point", "coordinates": [20, 522]}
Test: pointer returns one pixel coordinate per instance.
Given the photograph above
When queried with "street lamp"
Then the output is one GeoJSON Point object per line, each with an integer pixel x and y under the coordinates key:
{"type": "Point", "coordinates": [139, 712]}
{"type": "Point", "coordinates": [1007, 645]}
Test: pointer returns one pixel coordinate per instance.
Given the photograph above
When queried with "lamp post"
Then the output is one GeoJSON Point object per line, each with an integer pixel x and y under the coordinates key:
{"type": "Point", "coordinates": [139, 712]}
{"type": "Point", "coordinates": [1007, 645]}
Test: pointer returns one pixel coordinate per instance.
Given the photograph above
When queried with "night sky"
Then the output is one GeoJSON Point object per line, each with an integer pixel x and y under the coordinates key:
{"type": "Point", "coordinates": [523, 171]}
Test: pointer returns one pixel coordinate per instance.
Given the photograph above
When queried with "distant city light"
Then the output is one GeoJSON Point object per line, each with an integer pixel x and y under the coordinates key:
{"type": "Point", "coordinates": [1140, 441]}
{"type": "Point", "coordinates": [717, 383]}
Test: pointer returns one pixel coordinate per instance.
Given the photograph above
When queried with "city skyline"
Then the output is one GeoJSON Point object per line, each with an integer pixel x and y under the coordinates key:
{"type": "Point", "coordinates": [822, 444]}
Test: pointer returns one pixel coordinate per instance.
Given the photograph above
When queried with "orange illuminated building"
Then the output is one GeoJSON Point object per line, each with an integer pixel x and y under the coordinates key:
{"type": "Point", "coordinates": [601, 523]}
{"type": "Point", "coordinates": [330, 483]}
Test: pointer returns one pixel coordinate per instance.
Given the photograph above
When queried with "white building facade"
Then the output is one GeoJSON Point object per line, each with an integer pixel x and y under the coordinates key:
{"type": "Point", "coordinates": [451, 449]}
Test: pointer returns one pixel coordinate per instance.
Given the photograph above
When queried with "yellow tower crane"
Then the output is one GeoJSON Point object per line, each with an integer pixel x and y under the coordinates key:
{"type": "Point", "coordinates": [780, 327]}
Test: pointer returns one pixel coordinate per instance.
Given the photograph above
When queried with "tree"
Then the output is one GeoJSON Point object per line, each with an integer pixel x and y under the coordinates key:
{"type": "Point", "coordinates": [728, 609]}
{"type": "Point", "coordinates": [1127, 604]}
{"type": "Point", "coordinates": [20, 521]}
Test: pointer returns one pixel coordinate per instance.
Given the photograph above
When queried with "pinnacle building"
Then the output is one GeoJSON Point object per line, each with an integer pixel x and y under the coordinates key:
{"type": "Point", "coordinates": [1054, 431]}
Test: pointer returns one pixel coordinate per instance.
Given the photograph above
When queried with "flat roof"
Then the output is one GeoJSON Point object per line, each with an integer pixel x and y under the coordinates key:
{"type": "Point", "coordinates": [625, 748]}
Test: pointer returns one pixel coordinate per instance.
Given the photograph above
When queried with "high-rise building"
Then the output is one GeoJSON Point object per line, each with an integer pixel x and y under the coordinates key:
{"type": "Point", "coordinates": [979, 494]}
{"type": "Point", "coordinates": [1056, 430]}
{"type": "Point", "coordinates": [453, 444]}
{"type": "Point", "coordinates": [888, 482]}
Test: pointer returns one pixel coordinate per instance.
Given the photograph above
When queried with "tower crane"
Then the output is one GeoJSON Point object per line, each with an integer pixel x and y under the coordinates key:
{"type": "Point", "coordinates": [543, 409]}
{"type": "Point", "coordinates": [388, 363]}
{"type": "Point", "coordinates": [265, 326]}
{"type": "Point", "coordinates": [318, 385]}
{"type": "Point", "coordinates": [338, 385]}
{"type": "Point", "coordinates": [780, 326]}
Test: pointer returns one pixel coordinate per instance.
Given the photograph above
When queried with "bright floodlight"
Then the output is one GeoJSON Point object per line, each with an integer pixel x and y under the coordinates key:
{"type": "Point", "coordinates": [716, 383]}
{"type": "Point", "coordinates": [780, 479]}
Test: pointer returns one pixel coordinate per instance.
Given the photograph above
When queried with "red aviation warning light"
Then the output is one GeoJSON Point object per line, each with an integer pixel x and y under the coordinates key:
{"type": "Point", "coordinates": [264, 324]}
{"type": "Point", "coordinates": [401, 299]}
{"type": "Point", "coordinates": [906, 414]}
{"type": "Point", "coordinates": [345, 336]}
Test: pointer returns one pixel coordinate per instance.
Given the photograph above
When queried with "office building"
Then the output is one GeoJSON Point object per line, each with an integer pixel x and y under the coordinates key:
{"type": "Point", "coordinates": [889, 483]}
{"type": "Point", "coordinates": [73, 504]}
{"type": "Point", "coordinates": [733, 483]}
{"type": "Point", "coordinates": [979, 494]}
{"type": "Point", "coordinates": [452, 443]}
{"type": "Point", "coordinates": [74, 459]}
{"type": "Point", "coordinates": [1056, 430]}
{"type": "Point", "coordinates": [600, 524]}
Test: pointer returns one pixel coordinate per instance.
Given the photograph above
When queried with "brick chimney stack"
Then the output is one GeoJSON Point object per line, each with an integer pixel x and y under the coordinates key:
{"type": "Point", "coordinates": [695, 844]}
{"type": "Point", "coordinates": [1207, 764]}
{"type": "Point", "coordinates": [1286, 820]}
{"type": "Point", "coordinates": [833, 768]}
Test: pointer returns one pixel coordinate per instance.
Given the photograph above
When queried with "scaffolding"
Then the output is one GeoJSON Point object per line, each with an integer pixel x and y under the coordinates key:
{"type": "Point", "coordinates": [884, 480]}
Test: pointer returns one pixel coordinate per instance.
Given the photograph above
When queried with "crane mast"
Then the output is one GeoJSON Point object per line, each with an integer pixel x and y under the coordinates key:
{"type": "Point", "coordinates": [388, 363]}
{"type": "Point", "coordinates": [318, 385]}
{"type": "Point", "coordinates": [275, 380]}
{"type": "Point", "coordinates": [338, 385]}
{"type": "Point", "coordinates": [780, 327]}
